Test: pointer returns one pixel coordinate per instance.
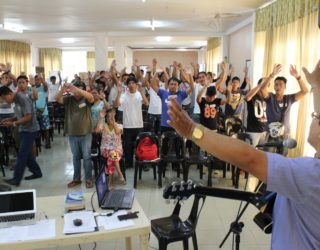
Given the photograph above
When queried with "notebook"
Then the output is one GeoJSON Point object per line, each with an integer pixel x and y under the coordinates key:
{"type": "Point", "coordinates": [17, 208]}
{"type": "Point", "coordinates": [112, 199]}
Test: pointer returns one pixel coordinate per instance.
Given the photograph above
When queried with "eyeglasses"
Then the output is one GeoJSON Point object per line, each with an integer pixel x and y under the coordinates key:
{"type": "Point", "coordinates": [316, 116]}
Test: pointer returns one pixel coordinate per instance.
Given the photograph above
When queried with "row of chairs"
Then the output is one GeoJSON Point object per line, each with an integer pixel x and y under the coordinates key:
{"type": "Point", "coordinates": [172, 150]}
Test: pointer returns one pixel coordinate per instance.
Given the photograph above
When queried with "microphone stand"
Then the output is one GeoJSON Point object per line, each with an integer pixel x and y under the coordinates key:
{"type": "Point", "coordinates": [236, 226]}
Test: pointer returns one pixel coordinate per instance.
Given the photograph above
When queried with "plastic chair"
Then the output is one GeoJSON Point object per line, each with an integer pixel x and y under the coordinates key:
{"type": "Point", "coordinates": [196, 156]}
{"type": "Point", "coordinates": [172, 151]}
{"type": "Point", "coordinates": [171, 229]}
{"type": "Point", "coordinates": [138, 164]}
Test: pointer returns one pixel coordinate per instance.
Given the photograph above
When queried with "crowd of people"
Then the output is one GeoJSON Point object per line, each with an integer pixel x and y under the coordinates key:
{"type": "Point", "coordinates": [114, 107]}
{"type": "Point", "coordinates": [119, 106]}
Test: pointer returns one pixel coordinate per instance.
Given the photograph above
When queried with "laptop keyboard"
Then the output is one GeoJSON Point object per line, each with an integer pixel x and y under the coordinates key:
{"type": "Point", "coordinates": [17, 217]}
{"type": "Point", "coordinates": [115, 198]}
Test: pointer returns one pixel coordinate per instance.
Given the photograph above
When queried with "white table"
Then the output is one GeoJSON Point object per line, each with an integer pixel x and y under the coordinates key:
{"type": "Point", "coordinates": [53, 206]}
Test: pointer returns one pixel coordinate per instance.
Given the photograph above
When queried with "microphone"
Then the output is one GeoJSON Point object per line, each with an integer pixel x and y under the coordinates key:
{"type": "Point", "coordinates": [288, 143]}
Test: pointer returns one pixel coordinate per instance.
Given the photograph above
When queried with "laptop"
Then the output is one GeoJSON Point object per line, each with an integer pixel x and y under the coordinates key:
{"type": "Point", "coordinates": [17, 208]}
{"type": "Point", "coordinates": [112, 199]}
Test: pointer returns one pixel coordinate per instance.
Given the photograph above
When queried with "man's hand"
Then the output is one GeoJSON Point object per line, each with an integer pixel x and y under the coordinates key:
{"type": "Point", "coordinates": [179, 118]}
{"type": "Point", "coordinates": [229, 88]}
{"type": "Point", "coordinates": [294, 72]}
{"type": "Point", "coordinates": [314, 76]}
{"type": "Point", "coordinates": [119, 87]}
{"type": "Point", "coordinates": [102, 113]}
{"type": "Point", "coordinates": [7, 123]}
{"type": "Point", "coordinates": [31, 80]}
{"type": "Point", "coordinates": [276, 70]}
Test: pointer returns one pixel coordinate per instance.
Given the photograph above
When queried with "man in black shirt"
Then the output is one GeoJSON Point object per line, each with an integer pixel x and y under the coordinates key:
{"type": "Point", "coordinates": [256, 108]}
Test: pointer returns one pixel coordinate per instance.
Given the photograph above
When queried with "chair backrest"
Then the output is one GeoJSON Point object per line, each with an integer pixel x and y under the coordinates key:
{"type": "Point", "coordinates": [195, 211]}
{"type": "Point", "coordinates": [172, 144]}
{"type": "Point", "coordinates": [232, 125]}
{"type": "Point", "coordinates": [147, 146]}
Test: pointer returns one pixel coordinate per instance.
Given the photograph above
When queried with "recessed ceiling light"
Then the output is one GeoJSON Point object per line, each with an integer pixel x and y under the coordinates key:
{"type": "Point", "coordinates": [67, 40]}
{"type": "Point", "coordinates": [143, 1]}
{"type": "Point", "coordinates": [163, 38]}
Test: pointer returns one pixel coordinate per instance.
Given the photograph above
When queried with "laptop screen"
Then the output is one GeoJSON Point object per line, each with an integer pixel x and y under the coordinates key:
{"type": "Point", "coordinates": [101, 186]}
{"type": "Point", "coordinates": [17, 202]}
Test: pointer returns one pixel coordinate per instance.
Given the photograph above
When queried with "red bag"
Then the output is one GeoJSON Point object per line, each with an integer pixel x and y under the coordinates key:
{"type": "Point", "coordinates": [147, 150]}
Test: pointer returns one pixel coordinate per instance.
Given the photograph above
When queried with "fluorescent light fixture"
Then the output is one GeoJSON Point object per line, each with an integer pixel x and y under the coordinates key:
{"type": "Point", "coordinates": [12, 27]}
{"type": "Point", "coordinates": [163, 38]}
{"type": "Point", "coordinates": [67, 40]}
{"type": "Point", "coordinates": [143, 1]}
{"type": "Point", "coordinates": [110, 47]}
{"type": "Point", "coordinates": [152, 24]}
{"type": "Point", "coordinates": [1, 25]}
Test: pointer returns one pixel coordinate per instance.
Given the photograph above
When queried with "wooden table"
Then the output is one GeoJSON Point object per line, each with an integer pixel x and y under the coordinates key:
{"type": "Point", "coordinates": [54, 208]}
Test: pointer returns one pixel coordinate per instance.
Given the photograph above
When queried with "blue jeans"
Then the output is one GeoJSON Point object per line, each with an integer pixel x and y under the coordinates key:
{"type": "Point", "coordinates": [81, 149]}
{"type": "Point", "coordinates": [25, 157]}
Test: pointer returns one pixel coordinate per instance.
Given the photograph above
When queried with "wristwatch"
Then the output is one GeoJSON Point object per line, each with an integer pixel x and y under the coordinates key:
{"type": "Point", "coordinates": [198, 132]}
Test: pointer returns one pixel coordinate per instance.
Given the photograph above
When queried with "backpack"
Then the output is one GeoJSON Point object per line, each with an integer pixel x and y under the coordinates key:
{"type": "Point", "coordinates": [147, 149]}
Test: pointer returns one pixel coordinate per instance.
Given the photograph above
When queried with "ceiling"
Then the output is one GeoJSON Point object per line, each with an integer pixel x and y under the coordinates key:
{"type": "Point", "coordinates": [125, 22]}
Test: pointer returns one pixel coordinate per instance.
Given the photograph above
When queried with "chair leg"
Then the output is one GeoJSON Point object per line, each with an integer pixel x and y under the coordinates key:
{"type": "Point", "coordinates": [224, 170]}
{"type": "Point", "coordinates": [185, 171]}
{"type": "Point", "coordinates": [140, 171]}
{"type": "Point", "coordinates": [135, 175]}
{"type": "Point", "coordinates": [160, 175]}
{"type": "Point", "coordinates": [194, 241]}
{"type": "Point", "coordinates": [154, 171]}
{"type": "Point", "coordinates": [178, 169]}
{"type": "Point", "coordinates": [201, 171]}
{"type": "Point", "coordinates": [162, 245]}
{"type": "Point", "coordinates": [237, 177]}
{"type": "Point", "coordinates": [186, 244]}
{"type": "Point", "coordinates": [210, 167]}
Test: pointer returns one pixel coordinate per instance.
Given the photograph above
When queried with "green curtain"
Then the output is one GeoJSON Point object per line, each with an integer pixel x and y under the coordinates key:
{"type": "Point", "coordinates": [91, 56]}
{"type": "Point", "coordinates": [283, 12]}
{"type": "Point", "coordinates": [50, 59]}
{"type": "Point", "coordinates": [17, 53]}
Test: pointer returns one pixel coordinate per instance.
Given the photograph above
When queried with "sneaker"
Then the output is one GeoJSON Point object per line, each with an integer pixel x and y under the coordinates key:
{"type": "Point", "coordinates": [89, 184]}
{"type": "Point", "coordinates": [74, 183]}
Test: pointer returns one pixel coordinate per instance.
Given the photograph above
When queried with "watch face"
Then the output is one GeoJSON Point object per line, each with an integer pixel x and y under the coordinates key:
{"type": "Point", "coordinates": [197, 133]}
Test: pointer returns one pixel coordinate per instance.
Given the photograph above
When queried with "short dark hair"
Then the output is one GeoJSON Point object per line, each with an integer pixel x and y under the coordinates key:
{"type": "Point", "coordinates": [281, 78]}
{"type": "Point", "coordinates": [130, 78]}
{"type": "Point", "coordinates": [174, 79]}
{"type": "Point", "coordinates": [202, 72]}
{"type": "Point", "coordinates": [80, 84]}
{"type": "Point", "coordinates": [209, 74]}
{"type": "Point", "coordinates": [260, 81]}
{"type": "Point", "coordinates": [22, 77]}
{"type": "Point", "coordinates": [211, 91]}
{"type": "Point", "coordinates": [4, 90]}
{"type": "Point", "coordinates": [235, 78]}
{"type": "Point", "coordinates": [53, 78]}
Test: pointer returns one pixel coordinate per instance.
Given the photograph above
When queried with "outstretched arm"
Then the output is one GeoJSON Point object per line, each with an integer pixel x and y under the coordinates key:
{"type": "Point", "coordinates": [313, 79]}
{"type": "Point", "coordinates": [303, 87]}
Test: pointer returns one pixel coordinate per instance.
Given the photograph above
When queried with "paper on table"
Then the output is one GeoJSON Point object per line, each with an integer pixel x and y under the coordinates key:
{"type": "Point", "coordinates": [112, 222]}
{"type": "Point", "coordinates": [88, 222]}
{"type": "Point", "coordinates": [41, 230]}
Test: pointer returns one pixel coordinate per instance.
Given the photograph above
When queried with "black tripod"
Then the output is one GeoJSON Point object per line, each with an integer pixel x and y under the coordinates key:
{"type": "Point", "coordinates": [236, 226]}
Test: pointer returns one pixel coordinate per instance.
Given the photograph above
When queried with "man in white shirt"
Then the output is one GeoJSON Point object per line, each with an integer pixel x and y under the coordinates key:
{"type": "Point", "coordinates": [131, 103]}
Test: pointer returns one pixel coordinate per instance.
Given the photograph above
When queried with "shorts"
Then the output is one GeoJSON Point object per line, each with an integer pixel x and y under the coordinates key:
{"type": "Point", "coordinates": [44, 122]}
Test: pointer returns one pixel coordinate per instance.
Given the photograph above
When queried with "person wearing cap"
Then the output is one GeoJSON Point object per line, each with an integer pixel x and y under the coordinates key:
{"type": "Point", "coordinates": [209, 105]}
{"type": "Point", "coordinates": [296, 209]}
{"type": "Point", "coordinates": [78, 126]}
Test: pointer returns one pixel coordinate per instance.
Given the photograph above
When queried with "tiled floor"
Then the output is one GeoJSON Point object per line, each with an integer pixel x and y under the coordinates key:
{"type": "Point", "coordinates": [214, 221]}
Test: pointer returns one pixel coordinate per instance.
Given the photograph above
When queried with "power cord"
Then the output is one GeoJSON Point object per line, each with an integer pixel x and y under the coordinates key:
{"type": "Point", "coordinates": [93, 210]}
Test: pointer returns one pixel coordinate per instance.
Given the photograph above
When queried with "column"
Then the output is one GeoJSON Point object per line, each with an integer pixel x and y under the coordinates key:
{"type": "Point", "coordinates": [225, 48]}
{"type": "Point", "coordinates": [202, 58]}
{"type": "Point", "coordinates": [128, 58]}
{"type": "Point", "coordinates": [35, 61]}
{"type": "Point", "coordinates": [119, 55]}
{"type": "Point", "coordinates": [101, 51]}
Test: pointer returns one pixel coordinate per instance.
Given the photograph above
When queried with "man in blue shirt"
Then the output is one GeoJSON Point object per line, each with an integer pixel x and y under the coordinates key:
{"type": "Point", "coordinates": [173, 85]}
{"type": "Point", "coordinates": [297, 207]}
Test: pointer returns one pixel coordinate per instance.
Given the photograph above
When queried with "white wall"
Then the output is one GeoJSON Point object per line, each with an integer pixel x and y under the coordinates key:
{"type": "Point", "coordinates": [240, 49]}
{"type": "Point", "coordinates": [165, 58]}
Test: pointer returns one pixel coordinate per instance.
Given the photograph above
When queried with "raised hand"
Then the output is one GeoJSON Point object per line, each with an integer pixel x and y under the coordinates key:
{"type": "Point", "coordinates": [31, 80]}
{"type": "Point", "coordinates": [231, 69]}
{"type": "Point", "coordinates": [223, 66]}
{"type": "Point", "coordinates": [293, 71]}
{"type": "Point", "coordinates": [276, 70]}
{"type": "Point", "coordinates": [314, 76]}
{"type": "Point", "coordinates": [154, 61]}
{"type": "Point", "coordinates": [229, 88]}
{"type": "Point", "coordinates": [114, 63]}
{"type": "Point", "coordinates": [119, 87]}
{"type": "Point", "coordinates": [9, 66]}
